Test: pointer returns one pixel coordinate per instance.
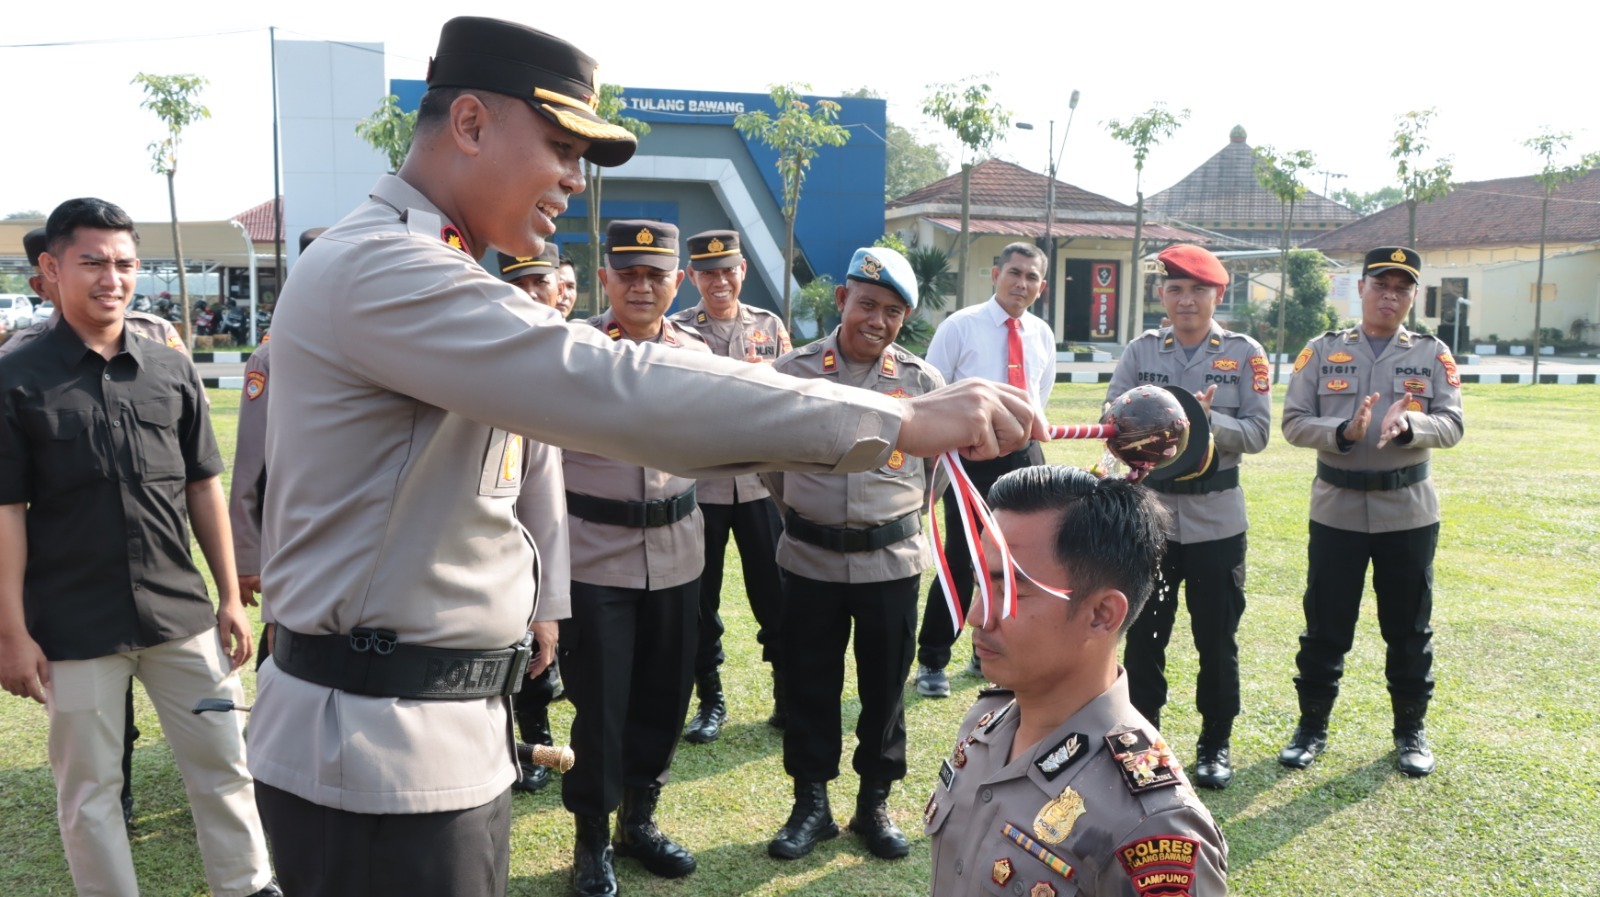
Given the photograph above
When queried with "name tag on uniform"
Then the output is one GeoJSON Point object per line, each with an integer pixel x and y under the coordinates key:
{"type": "Point", "coordinates": [947, 774]}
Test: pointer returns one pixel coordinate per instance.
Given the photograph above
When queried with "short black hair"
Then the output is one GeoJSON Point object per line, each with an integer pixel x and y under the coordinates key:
{"type": "Point", "coordinates": [1027, 250]}
{"type": "Point", "coordinates": [34, 243]}
{"type": "Point", "coordinates": [566, 260]}
{"type": "Point", "coordinates": [1111, 532]}
{"type": "Point", "coordinates": [308, 236]}
{"type": "Point", "coordinates": [434, 108]}
{"type": "Point", "coordinates": [86, 211]}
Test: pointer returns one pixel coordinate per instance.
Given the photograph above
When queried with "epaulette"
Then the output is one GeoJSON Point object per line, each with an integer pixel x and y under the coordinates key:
{"type": "Point", "coordinates": [1154, 332]}
{"type": "Point", "coordinates": [995, 691]}
{"type": "Point", "coordinates": [1144, 758]}
{"type": "Point", "coordinates": [810, 348]}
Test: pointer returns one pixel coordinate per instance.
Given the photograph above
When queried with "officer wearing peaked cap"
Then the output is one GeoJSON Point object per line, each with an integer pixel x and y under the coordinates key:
{"type": "Point", "coordinates": [536, 275]}
{"type": "Point", "coordinates": [853, 552]}
{"type": "Point", "coordinates": [394, 343]}
{"type": "Point", "coordinates": [737, 505]}
{"type": "Point", "coordinates": [1374, 401]}
{"type": "Point", "coordinates": [1205, 551]}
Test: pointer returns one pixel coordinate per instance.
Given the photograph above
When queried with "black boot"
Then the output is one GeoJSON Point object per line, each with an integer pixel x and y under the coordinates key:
{"type": "Point", "coordinates": [1213, 765]}
{"type": "Point", "coordinates": [780, 708]}
{"type": "Point", "coordinates": [1310, 737]}
{"type": "Point", "coordinates": [873, 824]}
{"type": "Point", "coordinates": [534, 726]}
{"type": "Point", "coordinates": [592, 875]}
{"type": "Point", "coordinates": [1416, 759]}
{"type": "Point", "coordinates": [638, 837]}
{"type": "Point", "coordinates": [706, 726]}
{"type": "Point", "coordinates": [810, 821]}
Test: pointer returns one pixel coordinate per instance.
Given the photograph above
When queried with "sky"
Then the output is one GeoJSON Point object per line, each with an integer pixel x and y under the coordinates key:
{"type": "Point", "coordinates": [1321, 77]}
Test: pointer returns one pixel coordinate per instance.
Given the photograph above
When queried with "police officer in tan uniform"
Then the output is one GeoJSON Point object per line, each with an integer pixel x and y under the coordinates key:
{"type": "Point", "coordinates": [853, 552]}
{"type": "Point", "coordinates": [637, 552]}
{"type": "Point", "coordinates": [401, 580]}
{"type": "Point", "coordinates": [1057, 785]}
{"type": "Point", "coordinates": [535, 275]}
{"type": "Point", "coordinates": [1374, 401]}
{"type": "Point", "coordinates": [1205, 550]}
{"type": "Point", "coordinates": [741, 504]}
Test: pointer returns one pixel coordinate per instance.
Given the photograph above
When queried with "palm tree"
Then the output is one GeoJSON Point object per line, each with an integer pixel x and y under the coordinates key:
{"type": "Point", "coordinates": [932, 268]}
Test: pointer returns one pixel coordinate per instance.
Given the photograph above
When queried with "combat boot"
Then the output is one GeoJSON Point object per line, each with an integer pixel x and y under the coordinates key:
{"type": "Point", "coordinates": [810, 821]}
{"type": "Point", "coordinates": [780, 705]}
{"type": "Point", "coordinates": [706, 726]}
{"type": "Point", "coordinates": [873, 824]}
{"type": "Point", "coordinates": [592, 873]}
{"type": "Point", "coordinates": [1416, 759]}
{"type": "Point", "coordinates": [1310, 737]}
{"type": "Point", "coordinates": [638, 837]}
{"type": "Point", "coordinates": [1213, 765]}
{"type": "Point", "coordinates": [534, 726]}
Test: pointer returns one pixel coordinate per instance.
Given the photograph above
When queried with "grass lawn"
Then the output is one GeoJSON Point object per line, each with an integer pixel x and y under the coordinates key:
{"type": "Point", "coordinates": [1514, 808]}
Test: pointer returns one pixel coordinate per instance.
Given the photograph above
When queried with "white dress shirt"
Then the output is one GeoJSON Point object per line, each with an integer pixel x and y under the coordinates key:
{"type": "Point", "coordinates": [972, 343]}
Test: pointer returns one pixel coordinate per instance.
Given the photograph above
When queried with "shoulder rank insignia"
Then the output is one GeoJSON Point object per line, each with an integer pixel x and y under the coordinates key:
{"type": "Point", "coordinates": [701, 318]}
{"type": "Point", "coordinates": [1405, 338]}
{"type": "Point", "coordinates": [1062, 755]}
{"type": "Point", "coordinates": [255, 383]}
{"type": "Point", "coordinates": [1055, 819]}
{"type": "Point", "coordinates": [614, 330]}
{"type": "Point", "coordinates": [1145, 763]}
{"type": "Point", "coordinates": [667, 336]}
{"type": "Point", "coordinates": [991, 719]}
{"type": "Point", "coordinates": [1215, 341]}
{"type": "Point", "coordinates": [1352, 335]}
{"type": "Point", "coordinates": [889, 367]}
{"type": "Point", "coordinates": [1226, 364]}
{"type": "Point", "coordinates": [1167, 343]}
{"type": "Point", "coordinates": [1451, 375]}
{"type": "Point", "coordinates": [451, 235]}
{"type": "Point", "coordinates": [265, 337]}
{"type": "Point", "coordinates": [1302, 359]}
{"type": "Point", "coordinates": [830, 362]}
{"type": "Point", "coordinates": [1002, 871]}
{"type": "Point", "coordinates": [1341, 357]}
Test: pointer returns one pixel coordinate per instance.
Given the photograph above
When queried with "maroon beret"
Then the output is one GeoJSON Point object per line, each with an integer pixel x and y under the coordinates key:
{"type": "Point", "coordinates": [1188, 260]}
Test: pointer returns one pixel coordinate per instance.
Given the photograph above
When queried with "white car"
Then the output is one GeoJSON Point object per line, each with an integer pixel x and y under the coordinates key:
{"type": "Point", "coordinates": [43, 311]}
{"type": "Point", "coordinates": [16, 311]}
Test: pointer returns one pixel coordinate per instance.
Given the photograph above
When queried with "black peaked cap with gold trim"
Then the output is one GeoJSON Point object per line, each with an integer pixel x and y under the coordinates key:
{"type": "Point", "coordinates": [1393, 258]}
{"type": "Point", "coordinates": [555, 77]}
{"type": "Point", "coordinates": [512, 267]}
{"type": "Point", "coordinates": [713, 250]}
{"type": "Point", "coordinates": [642, 242]}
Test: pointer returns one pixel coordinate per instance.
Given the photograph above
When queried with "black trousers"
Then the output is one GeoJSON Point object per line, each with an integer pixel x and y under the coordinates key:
{"type": "Point", "coordinates": [1402, 580]}
{"type": "Point", "coordinates": [816, 628]}
{"type": "Point", "coordinates": [937, 635]}
{"type": "Point", "coordinates": [1212, 575]}
{"type": "Point", "coordinates": [531, 705]}
{"type": "Point", "coordinates": [318, 851]}
{"type": "Point", "coordinates": [627, 661]}
{"type": "Point", "coordinates": [755, 526]}
{"type": "Point", "coordinates": [130, 734]}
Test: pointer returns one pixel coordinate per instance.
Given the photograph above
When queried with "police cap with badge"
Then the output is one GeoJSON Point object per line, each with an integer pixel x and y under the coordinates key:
{"type": "Point", "coordinates": [714, 250]}
{"type": "Point", "coordinates": [557, 79]}
{"type": "Point", "coordinates": [653, 244]}
{"type": "Point", "coordinates": [1393, 258]}
{"type": "Point", "coordinates": [512, 267]}
{"type": "Point", "coordinates": [886, 268]}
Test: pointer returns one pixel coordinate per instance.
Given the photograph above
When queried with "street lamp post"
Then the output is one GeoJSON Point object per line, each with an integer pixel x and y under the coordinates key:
{"type": "Point", "coordinates": [1054, 161]}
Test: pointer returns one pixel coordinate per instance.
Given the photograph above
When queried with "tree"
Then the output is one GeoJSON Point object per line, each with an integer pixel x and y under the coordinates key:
{"type": "Point", "coordinates": [172, 99]}
{"type": "Point", "coordinates": [977, 124]}
{"type": "Point", "coordinates": [795, 133]}
{"type": "Point", "coordinates": [1281, 175]}
{"type": "Point", "coordinates": [931, 266]}
{"type": "Point", "coordinates": [389, 131]}
{"type": "Point", "coordinates": [1305, 311]}
{"type": "Point", "coordinates": [609, 106]}
{"type": "Point", "coordinates": [1143, 131]}
{"type": "Point", "coordinates": [909, 164]}
{"type": "Point", "coordinates": [1547, 145]}
{"type": "Point", "coordinates": [816, 302]}
{"type": "Point", "coordinates": [24, 215]}
{"type": "Point", "coordinates": [1365, 204]}
{"type": "Point", "coordinates": [1418, 184]}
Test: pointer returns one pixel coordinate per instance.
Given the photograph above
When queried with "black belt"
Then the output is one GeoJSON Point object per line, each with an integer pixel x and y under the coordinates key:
{"type": "Point", "coordinates": [841, 539]}
{"type": "Point", "coordinates": [637, 514]}
{"type": "Point", "coordinates": [1372, 480]}
{"type": "Point", "coordinates": [371, 662]}
{"type": "Point", "coordinates": [1217, 482]}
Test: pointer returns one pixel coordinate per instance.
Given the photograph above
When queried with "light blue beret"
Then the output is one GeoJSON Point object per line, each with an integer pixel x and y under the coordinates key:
{"type": "Point", "coordinates": [887, 268]}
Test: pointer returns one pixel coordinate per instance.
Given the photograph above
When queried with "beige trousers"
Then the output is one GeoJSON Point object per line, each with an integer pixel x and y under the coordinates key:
{"type": "Point", "coordinates": [86, 705]}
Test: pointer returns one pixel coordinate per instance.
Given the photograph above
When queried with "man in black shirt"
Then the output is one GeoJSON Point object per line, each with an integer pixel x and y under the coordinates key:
{"type": "Point", "coordinates": [106, 458]}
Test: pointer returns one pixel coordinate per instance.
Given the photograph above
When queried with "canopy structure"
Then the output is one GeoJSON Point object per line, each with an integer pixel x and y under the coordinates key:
{"type": "Point", "coordinates": [206, 244]}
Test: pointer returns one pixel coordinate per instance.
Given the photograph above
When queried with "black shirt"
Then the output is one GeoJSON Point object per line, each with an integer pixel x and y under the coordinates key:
{"type": "Point", "coordinates": [101, 452]}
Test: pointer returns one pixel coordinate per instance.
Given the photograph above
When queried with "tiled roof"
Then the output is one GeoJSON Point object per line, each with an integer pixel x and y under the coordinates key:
{"type": "Point", "coordinates": [997, 183]}
{"type": "Point", "coordinates": [1503, 212]}
{"type": "Point", "coordinates": [1225, 189]}
{"type": "Point", "coordinates": [258, 221]}
{"type": "Point", "coordinates": [1092, 229]}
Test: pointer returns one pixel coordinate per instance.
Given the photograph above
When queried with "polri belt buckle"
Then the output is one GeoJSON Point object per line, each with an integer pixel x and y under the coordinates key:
{"type": "Point", "coordinates": [521, 657]}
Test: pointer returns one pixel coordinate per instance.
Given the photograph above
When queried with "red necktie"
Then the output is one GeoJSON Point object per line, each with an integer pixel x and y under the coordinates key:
{"type": "Point", "coordinates": [1014, 372]}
